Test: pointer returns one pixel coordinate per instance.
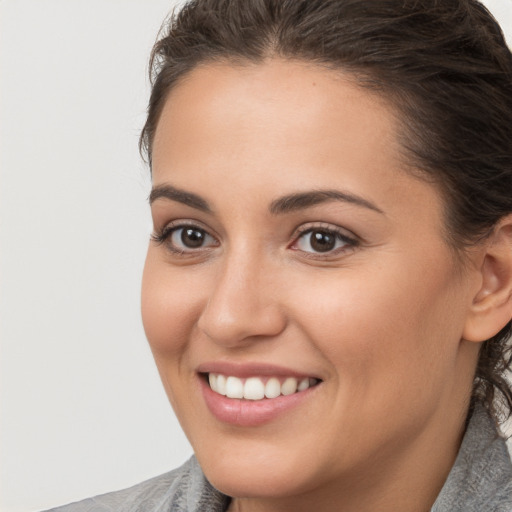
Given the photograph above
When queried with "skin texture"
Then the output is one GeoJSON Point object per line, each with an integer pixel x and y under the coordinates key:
{"type": "Point", "coordinates": [380, 322]}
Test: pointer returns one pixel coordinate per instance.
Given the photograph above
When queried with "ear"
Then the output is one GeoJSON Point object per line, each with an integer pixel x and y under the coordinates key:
{"type": "Point", "coordinates": [491, 308]}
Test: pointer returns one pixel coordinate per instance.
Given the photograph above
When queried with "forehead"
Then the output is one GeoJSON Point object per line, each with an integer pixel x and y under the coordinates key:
{"type": "Point", "coordinates": [275, 104]}
{"type": "Point", "coordinates": [276, 125]}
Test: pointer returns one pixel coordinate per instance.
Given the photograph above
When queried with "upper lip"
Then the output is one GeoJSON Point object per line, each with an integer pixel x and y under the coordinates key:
{"type": "Point", "coordinates": [245, 370]}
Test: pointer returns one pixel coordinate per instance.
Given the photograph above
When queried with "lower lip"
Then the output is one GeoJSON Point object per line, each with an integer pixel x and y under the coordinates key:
{"type": "Point", "coordinates": [250, 413]}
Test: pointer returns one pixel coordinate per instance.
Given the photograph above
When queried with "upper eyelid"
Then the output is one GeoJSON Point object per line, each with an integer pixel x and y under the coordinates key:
{"type": "Point", "coordinates": [178, 223]}
{"type": "Point", "coordinates": [312, 226]}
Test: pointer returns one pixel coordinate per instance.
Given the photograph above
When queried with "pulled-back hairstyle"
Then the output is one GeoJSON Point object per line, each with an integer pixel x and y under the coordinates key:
{"type": "Point", "coordinates": [442, 64]}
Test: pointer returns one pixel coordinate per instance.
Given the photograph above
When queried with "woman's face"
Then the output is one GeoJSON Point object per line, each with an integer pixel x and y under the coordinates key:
{"type": "Point", "coordinates": [294, 250]}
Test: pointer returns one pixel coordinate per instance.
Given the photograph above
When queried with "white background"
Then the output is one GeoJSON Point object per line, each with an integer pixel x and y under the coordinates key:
{"type": "Point", "coordinates": [82, 408]}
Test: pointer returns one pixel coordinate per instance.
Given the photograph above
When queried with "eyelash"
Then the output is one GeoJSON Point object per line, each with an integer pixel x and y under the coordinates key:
{"type": "Point", "coordinates": [163, 235]}
{"type": "Point", "coordinates": [349, 242]}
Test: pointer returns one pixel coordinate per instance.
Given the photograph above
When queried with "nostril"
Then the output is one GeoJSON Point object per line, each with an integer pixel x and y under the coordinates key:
{"type": "Point", "coordinates": [241, 325]}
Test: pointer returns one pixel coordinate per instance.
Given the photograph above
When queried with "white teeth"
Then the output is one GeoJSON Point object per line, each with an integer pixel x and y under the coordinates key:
{"type": "Point", "coordinates": [272, 388]}
{"type": "Point", "coordinates": [289, 386]}
{"type": "Point", "coordinates": [234, 387]}
{"type": "Point", "coordinates": [254, 388]}
{"type": "Point", "coordinates": [221, 385]}
{"type": "Point", "coordinates": [303, 385]}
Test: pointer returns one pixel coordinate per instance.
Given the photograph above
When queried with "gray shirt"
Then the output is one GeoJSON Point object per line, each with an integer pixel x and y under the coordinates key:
{"type": "Point", "coordinates": [480, 481]}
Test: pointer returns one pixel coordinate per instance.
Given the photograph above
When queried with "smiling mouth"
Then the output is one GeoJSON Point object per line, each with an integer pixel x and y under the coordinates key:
{"type": "Point", "coordinates": [258, 388]}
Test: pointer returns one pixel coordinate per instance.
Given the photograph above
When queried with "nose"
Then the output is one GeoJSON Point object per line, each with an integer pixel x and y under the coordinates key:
{"type": "Point", "coordinates": [243, 305]}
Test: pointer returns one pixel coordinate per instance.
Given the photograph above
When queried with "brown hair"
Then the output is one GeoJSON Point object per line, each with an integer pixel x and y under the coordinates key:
{"type": "Point", "coordinates": [445, 67]}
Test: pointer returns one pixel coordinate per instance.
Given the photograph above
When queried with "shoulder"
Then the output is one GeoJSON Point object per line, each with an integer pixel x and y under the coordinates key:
{"type": "Point", "coordinates": [184, 489]}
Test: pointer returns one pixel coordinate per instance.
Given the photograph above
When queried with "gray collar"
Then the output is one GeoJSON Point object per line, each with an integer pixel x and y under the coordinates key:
{"type": "Point", "coordinates": [481, 478]}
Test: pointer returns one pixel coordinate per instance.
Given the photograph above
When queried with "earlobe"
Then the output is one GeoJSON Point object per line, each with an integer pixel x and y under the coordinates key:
{"type": "Point", "coordinates": [491, 308]}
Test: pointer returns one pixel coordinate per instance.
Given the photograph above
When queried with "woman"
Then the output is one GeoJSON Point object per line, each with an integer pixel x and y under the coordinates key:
{"type": "Point", "coordinates": [328, 288]}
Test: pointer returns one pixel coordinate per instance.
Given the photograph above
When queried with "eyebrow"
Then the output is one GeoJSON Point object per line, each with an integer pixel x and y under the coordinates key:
{"type": "Point", "coordinates": [286, 204]}
{"type": "Point", "coordinates": [181, 196]}
{"type": "Point", "coordinates": [302, 200]}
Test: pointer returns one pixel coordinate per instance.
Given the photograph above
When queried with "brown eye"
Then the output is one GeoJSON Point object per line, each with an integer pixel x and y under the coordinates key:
{"type": "Point", "coordinates": [319, 241]}
{"type": "Point", "coordinates": [191, 237]}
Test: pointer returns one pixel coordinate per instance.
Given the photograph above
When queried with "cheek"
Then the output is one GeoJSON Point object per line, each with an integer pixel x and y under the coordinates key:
{"type": "Point", "coordinates": [387, 323]}
{"type": "Point", "coordinates": [169, 307]}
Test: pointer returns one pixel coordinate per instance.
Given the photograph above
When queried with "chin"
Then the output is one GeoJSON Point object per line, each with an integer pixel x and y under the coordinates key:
{"type": "Point", "coordinates": [255, 482]}
{"type": "Point", "coordinates": [258, 472]}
